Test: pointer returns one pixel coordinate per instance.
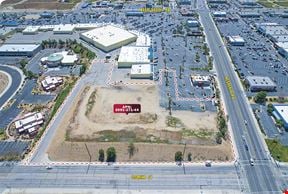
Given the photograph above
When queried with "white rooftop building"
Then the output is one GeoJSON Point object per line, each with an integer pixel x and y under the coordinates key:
{"type": "Point", "coordinates": [31, 30]}
{"type": "Point", "coordinates": [259, 83]}
{"type": "Point", "coordinates": [108, 37]}
{"type": "Point", "coordinates": [50, 83]}
{"type": "Point", "coordinates": [143, 71]}
{"type": "Point", "coordinates": [143, 40]}
{"type": "Point", "coordinates": [200, 80]}
{"type": "Point", "coordinates": [61, 58]}
{"type": "Point", "coordinates": [64, 29]}
{"type": "Point", "coordinates": [281, 112]}
{"type": "Point", "coordinates": [19, 49]}
{"type": "Point", "coordinates": [29, 122]}
{"type": "Point", "coordinates": [236, 40]}
{"type": "Point", "coordinates": [130, 55]}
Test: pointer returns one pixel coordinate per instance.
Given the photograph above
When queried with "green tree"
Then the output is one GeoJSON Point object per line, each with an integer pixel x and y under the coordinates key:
{"type": "Point", "coordinates": [270, 109]}
{"type": "Point", "coordinates": [260, 97]}
{"type": "Point", "coordinates": [178, 156]}
{"type": "Point", "coordinates": [101, 156]}
{"type": "Point", "coordinates": [23, 63]}
{"type": "Point", "coordinates": [111, 154]}
{"type": "Point", "coordinates": [219, 138]}
{"type": "Point", "coordinates": [197, 57]}
{"type": "Point", "coordinates": [131, 149]}
{"type": "Point", "coordinates": [189, 157]}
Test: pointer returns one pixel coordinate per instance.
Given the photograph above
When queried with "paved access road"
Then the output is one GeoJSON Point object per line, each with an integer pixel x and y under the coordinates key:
{"type": "Point", "coordinates": [120, 177]}
{"type": "Point", "coordinates": [262, 176]}
{"type": "Point", "coordinates": [16, 79]}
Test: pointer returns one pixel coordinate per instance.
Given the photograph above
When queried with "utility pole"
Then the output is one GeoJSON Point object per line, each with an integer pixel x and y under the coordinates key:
{"type": "Point", "coordinates": [89, 158]}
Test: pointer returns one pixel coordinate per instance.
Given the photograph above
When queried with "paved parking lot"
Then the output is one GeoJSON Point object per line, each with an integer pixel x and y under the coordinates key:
{"type": "Point", "coordinates": [24, 96]}
{"type": "Point", "coordinates": [257, 57]}
{"type": "Point", "coordinates": [13, 147]}
{"type": "Point", "coordinates": [268, 125]}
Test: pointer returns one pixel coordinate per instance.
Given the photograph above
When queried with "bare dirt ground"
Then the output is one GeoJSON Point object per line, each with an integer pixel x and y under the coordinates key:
{"type": "Point", "coordinates": [4, 80]}
{"type": "Point", "coordinates": [156, 136]}
{"type": "Point", "coordinates": [40, 4]}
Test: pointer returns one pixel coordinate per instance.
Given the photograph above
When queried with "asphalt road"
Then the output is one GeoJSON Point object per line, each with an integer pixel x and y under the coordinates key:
{"type": "Point", "coordinates": [106, 177]}
{"type": "Point", "coordinates": [15, 83]}
{"type": "Point", "coordinates": [262, 176]}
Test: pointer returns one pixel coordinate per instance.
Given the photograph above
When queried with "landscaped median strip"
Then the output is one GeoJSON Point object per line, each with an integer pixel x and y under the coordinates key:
{"type": "Point", "coordinates": [229, 86]}
{"type": "Point", "coordinates": [141, 177]}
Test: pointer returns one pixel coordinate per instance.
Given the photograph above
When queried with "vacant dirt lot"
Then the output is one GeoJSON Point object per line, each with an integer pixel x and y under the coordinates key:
{"type": "Point", "coordinates": [4, 80]}
{"type": "Point", "coordinates": [40, 4]}
{"type": "Point", "coordinates": [157, 136]}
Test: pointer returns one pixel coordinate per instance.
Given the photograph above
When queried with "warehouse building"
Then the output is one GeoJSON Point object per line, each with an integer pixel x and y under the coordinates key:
{"type": "Point", "coordinates": [31, 30]}
{"type": "Point", "coordinates": [192, 23]}
{"type": "Point", "coordinates": [200, 80]}
{"type": "Point", "coordinates": [282, 48]}
{"type": "Point", "coordinates": [217, 1]}
{"type": "Point", "coordinates": [247, 2]}
{"type": "Point", "coordinates": [219, 14]}
{"type": "Point", "coordinates": [108, 38]}
{"type": "Point", "coordinates": [51, 83]}
{"type": "Point", "coordinates": [249, 14]}
{"type": "Point", "coordinates": [64, 29]}
{"type": "Point", "coordinates": [29, 123]}
{"type": "Point", "coordinates": [281, 113]}
{"type": "Point", "coordinates": [134, 13]}
{"type": "Point", "coordinates": [27, 50]}
{"type": "Point", "coordinates": [143, 71]}
{"type": "Point", "coordinates": [259, 83]}
{"type": "Point", "coordinates": [130, 55]}
{"type": "Point", "coordinates": [63, 58]}
{"type": "Point", "coordinates": [184, 2]}
{"type": "Point", "coordinates": [236, 40]}
{"type": "Point", "coordinates": [143, 40]}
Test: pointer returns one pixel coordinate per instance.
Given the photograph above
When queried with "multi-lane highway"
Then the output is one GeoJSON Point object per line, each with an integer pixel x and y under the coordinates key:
{"type": "Point", "coordinates": [262, 175]}
{"type": "Point", "coordinates": [120, 177]}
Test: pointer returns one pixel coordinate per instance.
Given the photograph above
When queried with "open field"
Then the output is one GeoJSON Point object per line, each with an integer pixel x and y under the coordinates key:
{"type": "Point", "coordinates": [4, 80]}
{"type": "Point", "coordinates": [41, 4]}
{"type": "Point", "coordinates": [273, 3]}
{"type": "Point", "coordinates": [156, 135]}
{"type": "Point", "coordinates": [277, 150]}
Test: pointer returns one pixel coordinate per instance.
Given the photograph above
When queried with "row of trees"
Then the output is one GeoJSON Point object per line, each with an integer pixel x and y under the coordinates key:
{"type": "Point", "coordinates": [179, 157]}
{"type": "Point", "coordinates": [111, 155]}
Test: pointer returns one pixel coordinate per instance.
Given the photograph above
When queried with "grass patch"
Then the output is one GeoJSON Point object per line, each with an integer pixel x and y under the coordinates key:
{"type": "Point", "coordinates": [3, 135]}
{"type": "Point", "coordinates": [278, 151]}
{"type": "Point", "coordinates": [116, 136]}
{"type": "Point", "coordinates": [202, 133]}
{"type": "Point", "coordinates": [173, 122]}
{"type": "Point", "coordinates": [58, 102]}
{"type": "Point", "coordinates": [282, 3]}
{"type": "Point", "coordinates": [91, 102]}
{"type": "Point", "coordinates": [266, 4]}
{"type": "Point", "coordinates": [10, 157]}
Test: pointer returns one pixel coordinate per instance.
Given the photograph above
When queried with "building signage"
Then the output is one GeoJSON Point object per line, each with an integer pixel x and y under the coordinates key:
{"type": "Point", "coordinates": [127, 108]}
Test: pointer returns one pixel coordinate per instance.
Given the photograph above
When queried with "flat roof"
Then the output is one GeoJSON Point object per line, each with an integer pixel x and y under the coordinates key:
{"type": "Point", "coordinates": [219, 12]}
{"type": "Point", "coordinates": [31, 29]}
{"type": "Point", "coordinates": [282, 110]}
{"type": "Point", "coordinates": [283, 45]}
{"type": "Point", "coordinates": [134, 54]}
{"type": "Point", "coordinates": [64, 28]}
{"type": "Point", "coordinates": [143, 40]}
{"type": "Point", "coordinates": [108, 35]}
{"type": "Point", "coordinates": [200, 78]}
{"type": "Point", "coordinates": [260, 81]}
{"type": "Point", "coordinates": [141, 69]}
{"type": "Point", "coordinates": [235, 39]}
{"type": "Point", "coordinates": [18, 47]}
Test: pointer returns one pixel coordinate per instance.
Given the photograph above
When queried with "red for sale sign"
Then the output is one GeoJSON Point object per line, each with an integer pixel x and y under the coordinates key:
{"type": "Point", "coordinates": [127, 108]}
